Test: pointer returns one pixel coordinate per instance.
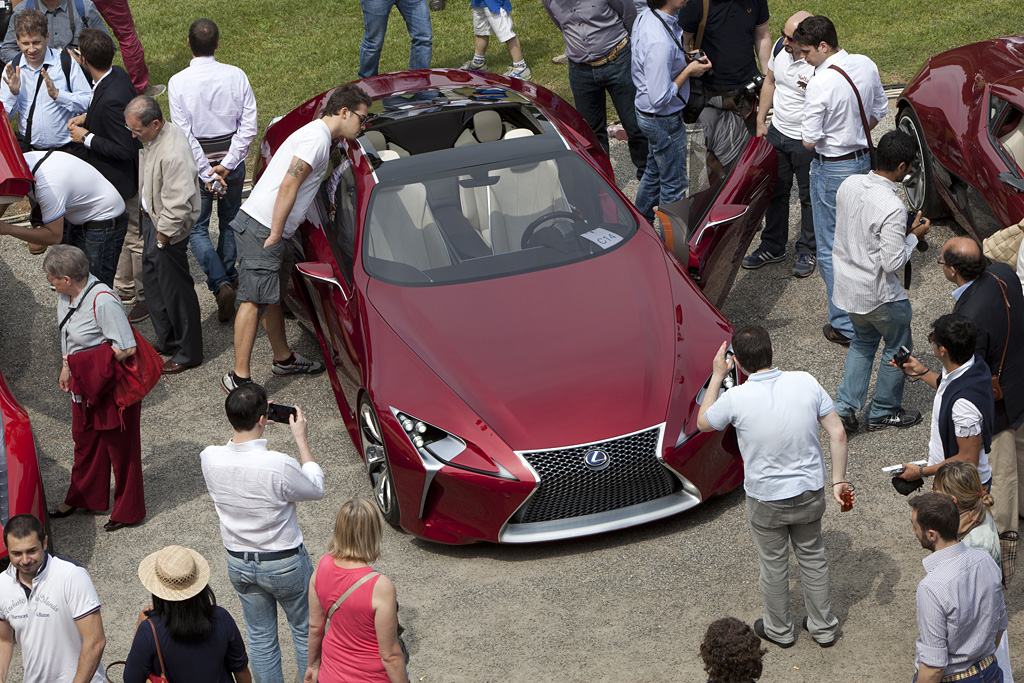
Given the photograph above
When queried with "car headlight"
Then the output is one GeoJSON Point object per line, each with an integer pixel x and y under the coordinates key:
{"type": "Point", "coordinates": [436, 447]}
{"type": "Point", "coordinates": [728, 382]}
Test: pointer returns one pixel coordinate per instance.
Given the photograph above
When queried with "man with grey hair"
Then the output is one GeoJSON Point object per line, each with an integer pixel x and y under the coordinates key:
{"type": "Point", "coordinates": [170, 207]}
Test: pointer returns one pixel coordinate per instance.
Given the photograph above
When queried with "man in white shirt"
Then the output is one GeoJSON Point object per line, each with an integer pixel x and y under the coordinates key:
{"type": "Point", "coordinates": [68, 190]}
{"type": "Point", "coordinates": [963, 412]}
{"type": "Point", "coordinates": [213, 104]}
{"type": "Point", "coordinates": [255, 491]}
{"type": "Point", "coordinates": [833, 126]}
{"type": "Point", "coordinates": [785, 82]}
{"type": "Point", "coordinates": [50, 605]}
{"type": "Point", "coordinates": [268, 219]}
{"type": "Point", "coordinates": [871, 248]}
{"type": "Point", "coordinates": [777, 416]}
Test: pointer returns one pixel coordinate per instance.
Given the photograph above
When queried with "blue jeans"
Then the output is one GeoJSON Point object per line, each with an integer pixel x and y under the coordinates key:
{"type": "Point", "coordinates": [101, 245]}
{"type": "Point", "coordinates": [826, 177]}
{"type": "Point", "coordinates": [794, 161]}
{"type": "Point", "coordinates": [375, 23]}
{"type": "Point", "coordinates": [889, 323]}
{"type": "Point", "coordinates": [664, 179]}
{"type": "Point", "coordinates": [261, 586]}
{"type": "Point", "coordinates": [219, 263]}
{"type": "Point", "coordinates": [589, 85]}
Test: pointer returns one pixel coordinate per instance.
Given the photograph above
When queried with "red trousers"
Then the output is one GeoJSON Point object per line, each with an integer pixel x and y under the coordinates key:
{"type": "Point", "coordinates": [96, 451]}
{"type": "Point", "coordinates": [118, 16]}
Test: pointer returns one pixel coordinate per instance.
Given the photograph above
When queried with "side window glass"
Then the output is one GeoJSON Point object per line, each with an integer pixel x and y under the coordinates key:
{"type": "Point", "coordinates": [341, 228]}
{"type": "Point", "coordinates": [1006, 123]}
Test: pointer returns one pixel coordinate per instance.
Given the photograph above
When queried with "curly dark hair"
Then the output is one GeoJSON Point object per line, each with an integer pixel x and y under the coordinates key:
{"type": "Point", "coordinates": [731, 652]}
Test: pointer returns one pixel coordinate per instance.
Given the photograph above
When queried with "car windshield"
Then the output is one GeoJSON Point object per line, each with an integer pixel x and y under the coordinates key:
{"type": "Point", "coordinates": [492, 220]}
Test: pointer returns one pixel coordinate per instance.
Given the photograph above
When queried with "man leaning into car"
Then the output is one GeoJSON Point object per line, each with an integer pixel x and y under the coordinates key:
{"type": "Point", "coordinates": [776, 415]}
{"type": "Point", "coordinates": [268, 219]}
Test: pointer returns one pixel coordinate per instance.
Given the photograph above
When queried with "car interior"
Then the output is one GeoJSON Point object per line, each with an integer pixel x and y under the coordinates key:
{"type": "Point", "coordinates": [447, 226]}
{"type": "Point", "coordinates": [1011, 135]}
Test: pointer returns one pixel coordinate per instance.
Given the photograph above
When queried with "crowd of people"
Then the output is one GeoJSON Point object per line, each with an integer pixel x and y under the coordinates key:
{"type": "Point", "coordinates": [120, 194]}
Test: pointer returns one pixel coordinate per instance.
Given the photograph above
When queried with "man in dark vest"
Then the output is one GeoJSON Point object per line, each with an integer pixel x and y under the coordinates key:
{"type": "Point", "coordinates": [963, 411]}
{"type": "Point", "coordinates": [990, 295]}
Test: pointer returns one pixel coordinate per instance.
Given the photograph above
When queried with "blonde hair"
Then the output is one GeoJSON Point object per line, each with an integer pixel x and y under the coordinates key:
{"type": "Point", "coordinates": [357, 532]}
{"type": "Point", "coordinates": [961, 480]}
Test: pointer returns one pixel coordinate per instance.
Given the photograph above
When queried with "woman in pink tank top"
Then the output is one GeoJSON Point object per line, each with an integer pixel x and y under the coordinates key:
{"type": "Point", "coordinates": [360, 640]}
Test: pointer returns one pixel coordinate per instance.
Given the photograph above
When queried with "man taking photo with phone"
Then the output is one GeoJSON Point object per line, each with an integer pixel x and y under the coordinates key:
{"type": "Point", "coordinates": [255, 491]}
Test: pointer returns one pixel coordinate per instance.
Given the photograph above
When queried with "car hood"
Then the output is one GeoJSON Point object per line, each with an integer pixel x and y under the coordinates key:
{"type": "Point", "coordinates": [553, 358]}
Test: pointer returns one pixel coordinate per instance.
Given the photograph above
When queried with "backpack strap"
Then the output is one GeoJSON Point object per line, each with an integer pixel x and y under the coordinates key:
{"type": "Point", "coordinates": [337, 603]}
{"type": "Point", "coordinates": [777, 49]}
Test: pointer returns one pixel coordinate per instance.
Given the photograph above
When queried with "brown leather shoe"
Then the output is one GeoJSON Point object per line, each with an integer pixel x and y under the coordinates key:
{"type": "Point", "coordinates": [225, 303]}
{"type": "Point", "coordinates": [138, 313]}
{"type": "Point", "coordinates": [36, 249]}
{"type": "Point", "coordinates": [172, 368]}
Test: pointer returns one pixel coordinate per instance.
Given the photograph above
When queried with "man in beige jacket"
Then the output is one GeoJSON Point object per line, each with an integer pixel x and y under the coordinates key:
{"type": "Point", "coordinates": [170, 206]}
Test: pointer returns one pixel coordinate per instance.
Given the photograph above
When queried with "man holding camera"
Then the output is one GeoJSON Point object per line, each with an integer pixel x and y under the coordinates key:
{"type": "Point", "coordinates": [963, 411]}
{"type": "Point", "coordinates": [990, 295]}
{"type": "Point", "coordinates": [777, 416]}
{"type": "Point", "coordinates": [871, 247]}
{"type": "Point", "coordinates": [255, 491]}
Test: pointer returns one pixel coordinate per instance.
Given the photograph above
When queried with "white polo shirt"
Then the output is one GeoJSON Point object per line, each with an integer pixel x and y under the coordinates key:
{"type": "Point", "coordinates": [791, 79]}
{"type": "Point", "coordinates": [44, 618]}
{"type": "Point", "coordinates": [312, 143]}
{"type": "Point", "coordinates": [70, 187]}
{"type": "Point", "coordinates": [776, 415]}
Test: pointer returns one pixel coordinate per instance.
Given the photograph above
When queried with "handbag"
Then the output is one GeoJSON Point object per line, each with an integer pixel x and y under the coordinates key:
{"type": "Point", "coordinates": [1004, 246]}
{"type": "Point", "coordinates": [698, 98]}
{"type": "Point", "coordinates": [352, 588]}
{"type": "Point", "coordinates": [997, 390]}
{"type": "Point", "coordinates": [1008, 541]}
{"type": "Point", "coordinates": [152, 678]}
{"type": "Point", "coordinates": [863, 116]}
{"type": "Point", "coordinates": [138, 373]}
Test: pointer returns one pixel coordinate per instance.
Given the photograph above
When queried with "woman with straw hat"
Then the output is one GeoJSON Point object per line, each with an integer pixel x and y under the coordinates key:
{"type": "Point", "coordinates": [184, 636]}
{"type": "Point", "coordinates": [353, 610]}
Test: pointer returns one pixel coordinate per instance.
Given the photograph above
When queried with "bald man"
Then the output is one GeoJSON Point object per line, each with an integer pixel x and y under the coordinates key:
{"type": "Point", "coordinates": [785, 82]}
{"type": "Point", "coordinates": [979, 294]}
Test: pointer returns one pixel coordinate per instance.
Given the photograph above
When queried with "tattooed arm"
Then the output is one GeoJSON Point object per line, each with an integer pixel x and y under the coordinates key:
{"type": "Point", "coordinates": [298, 170]}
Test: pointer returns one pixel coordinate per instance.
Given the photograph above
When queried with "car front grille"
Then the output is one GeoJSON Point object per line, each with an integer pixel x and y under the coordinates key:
{"type": "Point", "coordinates": [569, 488]}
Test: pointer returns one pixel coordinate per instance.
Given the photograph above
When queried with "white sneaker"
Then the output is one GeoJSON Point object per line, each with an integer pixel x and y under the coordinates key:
{"type": "Point", "coordinates": [300, 366]}
{"type": "Point", "coordinates": [519, 72]}
{"type": "Point", "coordinates": [474, 66]}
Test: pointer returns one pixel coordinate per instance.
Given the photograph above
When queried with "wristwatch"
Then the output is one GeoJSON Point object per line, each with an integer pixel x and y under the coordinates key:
{"type": "Point", "coordinates": [160, 245]}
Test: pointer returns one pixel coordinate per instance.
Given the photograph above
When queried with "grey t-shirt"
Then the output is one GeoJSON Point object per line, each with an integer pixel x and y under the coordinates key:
{"type": "Point", "coordinates": [99, 317]}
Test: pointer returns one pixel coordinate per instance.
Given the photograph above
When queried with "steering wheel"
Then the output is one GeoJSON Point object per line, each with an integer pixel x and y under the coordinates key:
{"type": "Point", "coordinates": [532, 227]}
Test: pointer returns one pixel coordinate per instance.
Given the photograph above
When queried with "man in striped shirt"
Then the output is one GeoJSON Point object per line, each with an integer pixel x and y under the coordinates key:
{"type": "Point", "coordinates": [960, 610]}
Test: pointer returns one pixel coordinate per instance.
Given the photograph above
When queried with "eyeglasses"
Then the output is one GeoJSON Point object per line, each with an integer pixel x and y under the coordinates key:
{"type": "Point", "coordinates": [931, 337]}
{"type": "Point", "coordinates": [940, 261]}
{"type": "Point", "coordinates": [787, 37]}
{"type": "Point", "coordinates": [137, 132]}
{"type": "Point", "coordinates": [362, 118]}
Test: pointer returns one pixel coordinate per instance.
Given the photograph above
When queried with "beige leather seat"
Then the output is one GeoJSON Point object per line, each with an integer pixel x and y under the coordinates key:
{"type": "Point", "coordinates": [381, 144]}
{"type": "Point", "coordinates": [402, 229]}
{"type": "Point", "coordinates": [487, 127]}
{"type": "Point", "coordinates": [1013, 142]}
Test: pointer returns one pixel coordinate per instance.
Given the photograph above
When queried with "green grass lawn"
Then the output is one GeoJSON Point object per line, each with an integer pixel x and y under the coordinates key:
{"type": "Point", "coordinates": [293, 51]}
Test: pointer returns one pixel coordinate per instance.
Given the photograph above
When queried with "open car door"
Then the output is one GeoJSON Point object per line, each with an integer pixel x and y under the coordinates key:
{"type": "Point", "coordinates": [709, 232]}
{"type": "Point", "coordinates": [15, 176]}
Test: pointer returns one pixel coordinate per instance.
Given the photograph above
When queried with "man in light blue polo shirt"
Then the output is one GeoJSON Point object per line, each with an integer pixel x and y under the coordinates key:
{"type": "Point", "coordinates": [776, 415]}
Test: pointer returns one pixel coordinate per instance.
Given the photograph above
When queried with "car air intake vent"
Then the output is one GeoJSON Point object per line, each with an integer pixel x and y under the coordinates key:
{"type": "Point", "coordinates": [597, 477]}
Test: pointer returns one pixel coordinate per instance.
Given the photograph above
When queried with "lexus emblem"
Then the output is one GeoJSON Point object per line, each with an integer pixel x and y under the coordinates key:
{"type": "Point", "coordinates": [597, 460]}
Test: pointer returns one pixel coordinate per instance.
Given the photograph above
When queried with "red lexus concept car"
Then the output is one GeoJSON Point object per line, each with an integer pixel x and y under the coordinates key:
{"type": "Point", "coordinates": [515, 352]}
{"type": "Point", "coordinates": [965, 109]}
{"type": "Point", "coordinates": [21, 488]}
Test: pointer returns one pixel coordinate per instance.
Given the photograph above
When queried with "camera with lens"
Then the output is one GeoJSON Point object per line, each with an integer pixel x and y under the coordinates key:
{"type": "Point", "coordinates": [752, 88]}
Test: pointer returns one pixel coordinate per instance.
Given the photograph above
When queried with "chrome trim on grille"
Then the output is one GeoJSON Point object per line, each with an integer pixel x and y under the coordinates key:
{"type": "Point", "coordinates": [681, 496]}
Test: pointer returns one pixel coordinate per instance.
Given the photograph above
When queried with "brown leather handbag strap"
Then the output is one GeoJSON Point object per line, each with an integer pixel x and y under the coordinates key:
{"type": "Point", "coordinates": [1002, 289]}
{"type": "Point", "coordinates": [700, 27]}
{"type": "Point", "coordinates": [159, 655]}
{"type": "Point", "coordinates": [860, 107]}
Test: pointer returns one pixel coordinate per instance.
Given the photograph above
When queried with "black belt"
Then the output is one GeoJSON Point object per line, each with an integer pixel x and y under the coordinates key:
{"type": "Point", "coordinates": [249, 556]}
{"type": "Point", "coordinates": [659, 116]}
{"type": "Point", "coordinates": [103, 225]}
{"type": "Point", "coordinates": [845, 157]}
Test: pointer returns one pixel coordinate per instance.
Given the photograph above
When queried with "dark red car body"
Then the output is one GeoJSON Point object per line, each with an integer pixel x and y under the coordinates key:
{"type": "Point", "coordinates": [966, 110]}
{"type": "Point", "coordinates": [529, 367]}
{"type": "Point", "coordinates": [21, 488]}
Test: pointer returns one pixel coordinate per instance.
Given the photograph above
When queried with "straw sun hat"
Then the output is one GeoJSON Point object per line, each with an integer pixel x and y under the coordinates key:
{"type": "Point", "coordinates": [174, 573]}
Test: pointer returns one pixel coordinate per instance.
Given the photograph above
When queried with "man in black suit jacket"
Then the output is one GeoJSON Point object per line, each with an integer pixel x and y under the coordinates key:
{"type": "Point", "coordinates": [990, 295]}
{"type": "Point", "coordinates": [114, 152]}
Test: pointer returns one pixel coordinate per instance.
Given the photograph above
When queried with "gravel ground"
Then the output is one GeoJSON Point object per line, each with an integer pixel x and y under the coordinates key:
{"type": "Point", "coordinates": [629, 605]}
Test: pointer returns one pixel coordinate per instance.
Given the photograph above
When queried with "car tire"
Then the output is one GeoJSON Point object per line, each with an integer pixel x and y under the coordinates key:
{"type": "Point", "coordinates": [920, 184]}
{"type": "Point", "coordinates": [378, 466]}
